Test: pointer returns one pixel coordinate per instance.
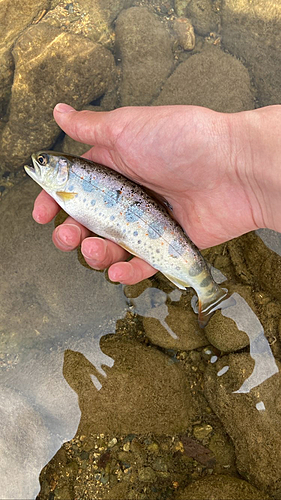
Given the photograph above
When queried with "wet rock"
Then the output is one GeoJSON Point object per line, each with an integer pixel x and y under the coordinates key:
{"type": "Point", "coordinates": [252, 420]}
{"type": "Point", "coordinates": [185, 33]}
{"type": "Point", "coordinates": [203, 16]}
{"type": "Point", "coordinates": [264, 264]}
{"type": "Point", "coordinates": [222, 447]}
{"type": "Point", "coordinates": [13, 21]}
{"type": "Point", "coordinates": [212, 79]}
{"type": "Point", "coordinates": [50, 66]}
{"type": "Point", "coordinates": [90, 18]}
{"type": "Point", "coordinates": [252, 32]}
{"type": "Point", "coordinates": [221, 486]}
{"type": "Point", "coordinates": [183, 323]}
{"type": "Point", "coordinates": [143, 391]}
{"type": "Point", "coordinates": [180, 7]}
{"type": "Point", "coordinates": [146, 56]}
{"type": "Point", "coordinates": [222, 332]}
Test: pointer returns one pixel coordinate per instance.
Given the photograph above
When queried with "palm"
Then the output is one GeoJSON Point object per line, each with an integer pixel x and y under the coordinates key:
{"type": "Point", "coordinates": [181, 156]}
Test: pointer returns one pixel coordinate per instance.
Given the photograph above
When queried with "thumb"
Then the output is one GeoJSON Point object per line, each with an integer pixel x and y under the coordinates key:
{"type": "Point", "coordinates": [90, 127]}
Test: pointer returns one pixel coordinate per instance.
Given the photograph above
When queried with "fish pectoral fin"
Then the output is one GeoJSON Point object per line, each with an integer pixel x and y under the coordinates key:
{"type": "Point", "coordinates": [179, 283]}
{"type": "Point", "coordinates": [65, 195]}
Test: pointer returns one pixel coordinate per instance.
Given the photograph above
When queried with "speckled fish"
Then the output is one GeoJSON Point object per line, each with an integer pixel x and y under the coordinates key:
{"type": "Point", "coordinates": [114, 207]}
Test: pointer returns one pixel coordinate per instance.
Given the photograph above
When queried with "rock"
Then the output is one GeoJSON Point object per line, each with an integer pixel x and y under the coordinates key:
{"type": "Point", "coordinates": [90, 18]}
{"type": "Point", "coordinates": [180, 7]}
{"type": "Point", "coordinates": [252, 420]}
{"type": "Point", "coordinates": [124, 405]}
{"type": "Point", "coordinates": [182, 322]}
{"type": "Point", "coordinates": [203, 16]}
{"type": "Point", "coordinates": [251, 31]}
{"type": "Point", "coordinates": [259, 264]}
{"type": "Point", "coordinates": [212, 79]}
{"type": "Point", "coordinates": [185, 33]}
{"type": "Point", "coordinates": [13, 22]}
{"type": "Point", "coordinates": [221, 486]}
{"type": "Point", "coordinates": [50, 66]}
{"type": "Point", "coordinates": [222, 447]}
{"type": "Point", "coordinates": [222, 332]}
{"type": "Point", "coordinates": [146, 55]}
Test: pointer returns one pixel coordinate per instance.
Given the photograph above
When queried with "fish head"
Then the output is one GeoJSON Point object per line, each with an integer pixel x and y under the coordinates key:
{"type": "Point", "coordinates": [50, 170]}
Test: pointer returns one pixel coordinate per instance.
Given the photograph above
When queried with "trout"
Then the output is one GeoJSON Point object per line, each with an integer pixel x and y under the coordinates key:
{"type": "Point", "coordinates": [114, 207]}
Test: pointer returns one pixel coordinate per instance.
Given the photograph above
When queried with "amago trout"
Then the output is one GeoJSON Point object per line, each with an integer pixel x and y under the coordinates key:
{"type": "Point", "coordinates": [116, 208]}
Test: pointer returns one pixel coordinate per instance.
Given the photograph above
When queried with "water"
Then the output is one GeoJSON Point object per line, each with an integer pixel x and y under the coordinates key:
{"type": "Point", "coordinates": [61, 377]}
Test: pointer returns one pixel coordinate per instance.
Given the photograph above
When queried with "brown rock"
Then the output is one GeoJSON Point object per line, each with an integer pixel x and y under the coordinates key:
{"type": "Point", "coordinates": [212, 79]}
{"type": "Point", "coordinates": [252, 32]}
{"type": "Point", "coordinates": [252, 420]}
{"type": "Point", "coordinates": [145, 51]}
{"type": "Point", "coordinates": [220, 487]}
{"type": "Point", "coordinates": [143, 392]}
{"type": "Point", "coordinates": [50, 66]}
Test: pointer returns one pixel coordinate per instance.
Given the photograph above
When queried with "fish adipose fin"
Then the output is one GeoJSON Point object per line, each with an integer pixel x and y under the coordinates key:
{"type": "Point", "coordinates": [206, 309]}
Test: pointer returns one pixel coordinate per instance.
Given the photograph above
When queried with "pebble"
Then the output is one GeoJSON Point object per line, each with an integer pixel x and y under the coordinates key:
{"type": "Point", "coordinates": [202, 431]}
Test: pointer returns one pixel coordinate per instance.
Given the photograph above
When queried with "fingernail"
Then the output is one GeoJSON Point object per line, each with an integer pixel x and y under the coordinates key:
{"type": "Point", "coordinates": [40, 214]}
{"type": "Point", "coordinates": [61, 107]}
{"type": "Point", "coordinates": [69, 234]}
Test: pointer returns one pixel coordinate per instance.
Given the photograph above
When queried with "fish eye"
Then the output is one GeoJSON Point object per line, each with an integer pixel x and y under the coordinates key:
{"type": "Point", "coordinates": [42, 159]}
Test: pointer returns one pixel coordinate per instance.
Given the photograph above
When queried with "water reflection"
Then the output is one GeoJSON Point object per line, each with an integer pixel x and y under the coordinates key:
{"type": "Point", "coordinates": [260, 351]}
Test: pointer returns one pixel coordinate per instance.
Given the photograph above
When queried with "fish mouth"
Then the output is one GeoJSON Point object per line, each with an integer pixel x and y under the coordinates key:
{"type": "Point", "coordinates": [35, 171]}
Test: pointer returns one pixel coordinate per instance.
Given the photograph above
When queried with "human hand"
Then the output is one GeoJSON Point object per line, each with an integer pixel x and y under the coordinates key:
{"type": "Point", "coordinates": [200, 161]}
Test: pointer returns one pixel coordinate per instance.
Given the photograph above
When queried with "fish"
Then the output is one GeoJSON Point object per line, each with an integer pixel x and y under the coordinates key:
{"type": "Point", "coordinates": [114, 207]}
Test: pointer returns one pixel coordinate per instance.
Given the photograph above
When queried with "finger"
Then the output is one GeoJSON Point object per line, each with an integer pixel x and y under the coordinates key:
{"type": "Point", "coordinates": [86, 126]}
{"type": "Point", "coordinates": [130, 273]}
{"type": "Point", "coordinates": [101, 155]}
{"type": "Point", "coordinates": [100, 253]}
{"type": "Point", "coordinates": [69, 235]}
{"type": "Point", "coordinates": [45, 208]}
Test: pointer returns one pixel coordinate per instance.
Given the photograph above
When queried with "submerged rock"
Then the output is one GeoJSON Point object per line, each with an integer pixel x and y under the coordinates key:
{"type": "Point", "coordinates": [13, 21]}
{"type": "Point", "coordinates": [220, 487]}
{"type": "Point", "coordinates": [251, 31]}
{"type": "Point", "coordinates": [252, 420]}
{"type": "Point", "coordinates": [212, 79]}
{"type": "Point", "coordinates": [50, 66]}
{"type": "Point", "coordinates": [146, 55]}
{"type": "Point", "coordinates": [203, 16]}
{"type": "Point", "coordinates": [143, 391]}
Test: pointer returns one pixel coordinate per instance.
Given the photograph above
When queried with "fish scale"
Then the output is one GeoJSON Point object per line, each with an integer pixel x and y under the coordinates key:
{"type": "Point", "coordinates": [114, 207]}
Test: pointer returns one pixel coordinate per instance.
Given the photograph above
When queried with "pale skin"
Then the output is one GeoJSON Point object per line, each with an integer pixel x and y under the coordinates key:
{"type": "Point", "coordinates": [221, 173]}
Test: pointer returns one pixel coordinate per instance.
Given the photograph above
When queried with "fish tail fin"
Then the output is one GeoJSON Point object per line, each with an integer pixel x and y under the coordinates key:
{"type": "Point", "coordinates": [207, 307]}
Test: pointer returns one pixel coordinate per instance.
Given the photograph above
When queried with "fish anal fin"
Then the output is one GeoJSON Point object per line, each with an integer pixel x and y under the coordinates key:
{"type": "Point", "coordinates": [179, 283]}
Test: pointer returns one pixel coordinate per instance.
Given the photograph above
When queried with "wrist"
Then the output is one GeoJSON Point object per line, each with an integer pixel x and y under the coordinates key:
{"type": "Point", "coordinates": [256, 157]}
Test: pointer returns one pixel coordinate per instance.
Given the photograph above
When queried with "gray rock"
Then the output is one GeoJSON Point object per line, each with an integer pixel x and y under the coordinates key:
{"type": "Point", "coordinates": [252, 32]}
{"type": "Point", "coordinates": [146, 55]}
{"type": "Point", "coordinates": [212, 79]}
{"type": "Point", "coordinates": [252, 420]}
{"type": "Point", "coordinates": [50, 66]}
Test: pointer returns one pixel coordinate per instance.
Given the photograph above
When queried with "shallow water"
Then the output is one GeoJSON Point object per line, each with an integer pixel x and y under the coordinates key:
{"type": "Point", "coordinates": [131, 401]}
